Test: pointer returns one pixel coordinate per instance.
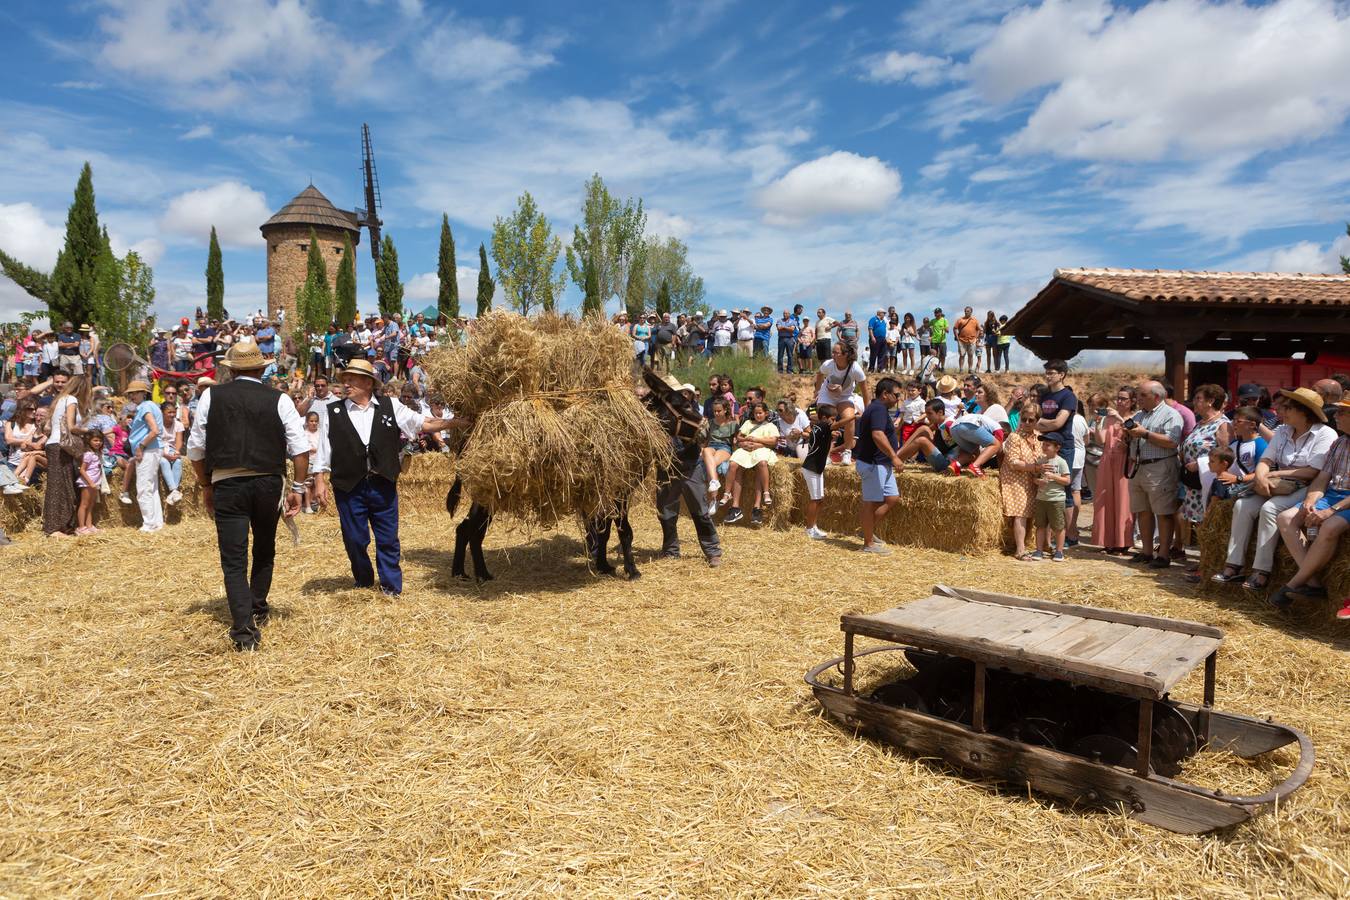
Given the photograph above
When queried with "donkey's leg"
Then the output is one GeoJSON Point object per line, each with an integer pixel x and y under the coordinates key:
{"type": "Point", "coordinates": [626, 542]}
{"type": "Point", "coordinates": [481, 517]}
{"type": "Point", "coordinates": [461, 544]}
{"type": "Point", "coordinates": [601, 526]}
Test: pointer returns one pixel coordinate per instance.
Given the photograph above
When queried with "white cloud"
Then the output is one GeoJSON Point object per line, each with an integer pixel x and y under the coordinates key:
{"type": "Point", "coordinates": [848, 289]}
{"type": "Point", "coordinates": [841, 183]}
{"type": "Point", "coordinates": [946, 160]}
{"type": "Point", "coordinates": [1175, 76]}
{"type": "Point", "coordinates": [660, 222]}
{"type": "Point", "coordinates": [426, 287]}
{"type": "Point", "coordinates": [462, 51]}
{"type": "Point", "coordinates": [80, 85]}
{"type": "Point", "coordinates": [26, 235]}
{"type": "Point", "coordinates": [236, 210]}
{"type": "Point", "coordinates": [919, 68]}
{"type": "Point", "coordinates": [1308, 257]}
{"type": "Point", "coordinates": [196, 133]}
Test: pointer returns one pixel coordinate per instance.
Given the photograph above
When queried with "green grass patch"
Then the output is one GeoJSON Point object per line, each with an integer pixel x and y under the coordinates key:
{"type": "Point", "coordinates": [744, 371]}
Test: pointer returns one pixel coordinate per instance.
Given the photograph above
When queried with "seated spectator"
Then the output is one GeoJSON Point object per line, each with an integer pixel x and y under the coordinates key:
{"type": "Point", "coordinates": [792, 424]}
{"type": "Point", "coordinates": [721, 435]}
{"type": "Point", "coordinates": [1312, 530]}
{"type": "Point", "coordinates": [989, 402]}
{"type": "Point", "coordinates": [978, 439]}
{"type": "Point", "coordinates": [932, 439]}
{"type": "Point", "coordinates": [911, 410]}
{"type": "Point", "coordinates": [946, 392]}
{"type": "Point", "coordinates": [1220, 464]}
{"type": "Point", "coordinates": [1016, 486]}
{"type": "Point", "coordinates": [1247, 448]}
{"type": "Point", "coordinates": [1293, 459]}
{"type": "Point", "coordinates": [755, 444]}
{"type": "Point", "coordinates": [171, 450]}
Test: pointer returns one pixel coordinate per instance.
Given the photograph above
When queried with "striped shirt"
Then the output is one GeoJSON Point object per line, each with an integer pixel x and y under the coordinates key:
{"type": "Point", "coordinates": [1338, 465]}
{"type": "Point", "coordinates": [1164, 420]}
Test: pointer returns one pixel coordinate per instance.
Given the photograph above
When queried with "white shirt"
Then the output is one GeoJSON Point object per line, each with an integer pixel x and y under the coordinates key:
{"type": "Point", "coordinates": [745, 329]}
{"type": "Point", "coordinates": [51, 352]}
{"type": "Point", "coordinates": [58, 418]}
{"type": "Point", "coordinates": [997, 413]}
{"type": "Point", "coordinates": [1079, 430]}
{"type": "Point", "coordinates": [722, 331]}
{"type": "Point", "coordinates": [296, 442]}
{"type": "Point", "coordinates": [1310, 451]}
{"type": "Point", "coordinates": [409, 421]}
{"type": "Point", "coordinates": [846, 379]}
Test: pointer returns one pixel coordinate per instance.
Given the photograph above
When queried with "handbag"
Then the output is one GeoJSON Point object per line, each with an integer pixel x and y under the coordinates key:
{"type": "Point", "coordinates": [1284, 486]}
{"type": "Point", "coordinates": [1190, 479]}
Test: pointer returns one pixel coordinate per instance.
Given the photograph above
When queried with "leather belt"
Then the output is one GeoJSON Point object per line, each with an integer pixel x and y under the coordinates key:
{"type": "Point", "coordinates": [1156, 459]}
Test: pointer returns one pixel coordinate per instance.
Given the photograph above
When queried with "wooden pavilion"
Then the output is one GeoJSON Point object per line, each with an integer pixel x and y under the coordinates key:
{"type": "Point", "coordinates": [1261, 314]}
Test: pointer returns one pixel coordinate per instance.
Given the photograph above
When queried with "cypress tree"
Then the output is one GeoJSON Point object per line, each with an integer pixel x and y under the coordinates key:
{"type": "Point", "coordinates": [313, 299]}
{"type": "Point", "coordinates": [663, 298]}
{"type": "Point", "coordinates": [388, 286]}
{"type": "Point", "coordinates": [485, 285]}
{"type": "Point", "coordinates": [592, 304]}
{"type": "Point", "coordinates": [73, 278]}
{"type": "Point", "coordinates": [447, 301]}
{"type": "Point", "coordinates": [346, 286]}
{"type": "Point", "coordinates": [215, 280]}
{"type": "Point", "coordinates": [105, 302]}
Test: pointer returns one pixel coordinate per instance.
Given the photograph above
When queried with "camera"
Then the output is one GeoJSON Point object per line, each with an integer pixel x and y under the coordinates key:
{"type": "Point", "coordinates": [1129, 424]}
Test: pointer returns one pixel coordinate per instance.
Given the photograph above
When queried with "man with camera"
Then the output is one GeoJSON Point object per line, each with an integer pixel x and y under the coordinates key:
{"type": "Point", "coordinates": [1154, 433]}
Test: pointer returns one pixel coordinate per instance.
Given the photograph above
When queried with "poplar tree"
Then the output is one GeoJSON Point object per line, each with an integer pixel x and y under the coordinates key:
{"type": "Point", "coordinates": [485, 286]}
{"type": "Point", "coordinates": [215, 280]}
{"type": "Point", "coordinates": [387, 285]}
{"type": "Point", "coordinates": [663, 298]}
{"type": "Point", "coordinates": [447, 301]}
{"type": "Point", "coordinates": [345, 301]}
{"type": "Point", "coordinates": [592, 304]}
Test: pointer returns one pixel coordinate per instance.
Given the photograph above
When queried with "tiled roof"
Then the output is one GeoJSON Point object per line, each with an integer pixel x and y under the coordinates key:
{"type": "Point", "coordinates": [1243, 288]}
{"type": "Point", "coordinates": [312, 208]}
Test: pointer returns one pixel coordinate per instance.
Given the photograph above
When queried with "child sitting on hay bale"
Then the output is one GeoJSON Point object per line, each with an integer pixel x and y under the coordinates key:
{"type": "Point", "coordinates": [755, 444]}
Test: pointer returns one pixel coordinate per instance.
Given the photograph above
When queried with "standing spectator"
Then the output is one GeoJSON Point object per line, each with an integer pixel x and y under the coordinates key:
{"type": "Point", "coordinates": [68, 350]}
{"type": "Point", "coordinates": [59, 498]}
{"type": "Point", "coordinates": [51, 355]}
{"type": "Point", "coordinates": [824, 335]}
{"type": "Point", "coordinates": [1016, 474]}
{"type": "Point", "coordinates": [745, 333]}
{"type": "Point", "coordinates": [266, 336]}
{"type": "Point", "coordinates": [763, 331]}
{"type": "Point", "coordinates": [723, 333]}
{"type": "Point", "coordinates": [204, 338]}
{"type": "Point", "coordinates": [143, 444]}
{"type": "Point", "coordinates": [876, 342]}
{"type": "Point", "coordinates": [892, 342]}
{"type": "Point", "coordinates": [848, 330]}
{"type": "Point", "coordinates": [1058, 404]}
{"type": "Point", "coordinates": [876, 461]}
{"type": "Point", "coordinates": [642, 336]}
{"type": "Point", "coordinates": [1050, 495]}
{"type": "Point", "coordinates": [818, 442]}
{"type": "Point", "coordinates": [1112, 523]}
{"type": "Point", "coordinates": [967, 337]}
{"type": "Point", "coordinates": [925, 330]}
{"type": "Point", "coordinates": [89, 353]}
{"type": "Point", "coordinates": [182, 350]}
{"type": "Point", "coordinates": [1155, 435]}
{"type": "Point", "coordinates": [1004, 343]}
{"type": "Point", "coordinates": [663, 343]}
{"type": "Point", "coordinates": [929, 369]}
{"type": "Point", "coordinates": [89, 482]}
{"type": "Point", "coordinates": [838, 383]}
{"type": "Point", "coordinates": [1295, 456]}
{"type": "Point", "coordinates": [1211, 432]}
{"type": "Point", "coordinates": [787, 328]}
{"type": "Point", "coordinates": [909, 345]}
{"type": "Point", "coordinates": [806, 344]}
{"type": "Point", "coordinates": [991, 335]}
{"type": "Point", "coordinates": [937, 333]}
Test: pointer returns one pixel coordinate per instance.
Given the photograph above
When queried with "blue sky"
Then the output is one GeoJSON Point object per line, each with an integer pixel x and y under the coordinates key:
{"type": "Point", "coordinates": [931, 153]}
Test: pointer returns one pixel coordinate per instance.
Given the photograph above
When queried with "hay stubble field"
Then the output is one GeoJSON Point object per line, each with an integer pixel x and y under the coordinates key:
{"type": "Point", "coordinates": [554, 732]}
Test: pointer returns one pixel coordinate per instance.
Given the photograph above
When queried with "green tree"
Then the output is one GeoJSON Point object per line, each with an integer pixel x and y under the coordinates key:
{"type": "Point", "coordinates": [136, 299]}
{"type": "Point", "coordinates": [666, 263]}
{"type": "Point", "coordinates": [486, 287]}
{"type": "Point", "coordinates": [106, 297]}
{"type": "Point", "coordinates": [663, 299]}
{"type": "Point", "coordinates": [387, 285]}
{"type": "Point", "coordinates": [215, 280]}
{"type": "Point", "coordinates": [592, 304]}
{"type": "Point", "coordinates": [526, 251]}
{"type": "Point", "coordinates": [314, 298]}
{"type": "Point", "coordinates": [73, 278]}
{"type": "Point", "coordinates": [607, 239]}
{"type": "Point", "coordinates": [345, 299]}
{"type": "Point", "coordinates": [447, 301]}
{"type": "Point", "coordinates": [37, 285]}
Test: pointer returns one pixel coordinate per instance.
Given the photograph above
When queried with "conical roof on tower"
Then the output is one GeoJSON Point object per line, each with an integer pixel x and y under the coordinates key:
{"type": "Point", "coordinates": [311, 207]}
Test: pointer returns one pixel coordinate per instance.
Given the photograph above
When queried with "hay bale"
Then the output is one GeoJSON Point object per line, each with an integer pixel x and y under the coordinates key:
{"type": "Point", "coordinates": [783, 482]}
{"type": "Point", "coordinates": [17, 511]}
{"type": "Point", "coordinates": [558, 430]}
{"type": "Point", "coordinates": [939, 512]}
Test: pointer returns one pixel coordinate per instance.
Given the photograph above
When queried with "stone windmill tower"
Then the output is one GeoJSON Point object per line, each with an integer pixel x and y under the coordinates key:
{"type": "Point", "coordinates": [287, 236]}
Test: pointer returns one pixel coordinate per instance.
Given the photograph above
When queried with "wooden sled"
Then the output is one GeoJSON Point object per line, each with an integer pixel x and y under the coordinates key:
{"type": "Point", "coordinates": [1005, 686]}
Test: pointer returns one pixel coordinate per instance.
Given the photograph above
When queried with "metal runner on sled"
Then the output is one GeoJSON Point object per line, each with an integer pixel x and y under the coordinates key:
{"type": "Point", "coordinates": [1069, 700]}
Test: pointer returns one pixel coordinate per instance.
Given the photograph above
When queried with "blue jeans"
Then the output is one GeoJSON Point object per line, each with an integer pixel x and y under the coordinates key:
{"type": "Point", "coordinates": [371, 506]}
{"type": "Point", "coordinates": [172, 472]}
{"type": "Point", "coordinates": [971, 438]}
{"type": "Point", "coordinates": [761, 347]}
{"type": "Point", "coordinates": [785, 350]}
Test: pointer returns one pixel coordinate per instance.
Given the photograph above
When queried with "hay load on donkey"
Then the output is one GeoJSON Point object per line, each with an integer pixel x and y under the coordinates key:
{"type": "Point", "coordinates": [558, 430]}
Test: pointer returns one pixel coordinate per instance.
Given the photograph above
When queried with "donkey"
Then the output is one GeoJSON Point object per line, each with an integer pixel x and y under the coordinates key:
{"type": "Point", "coordinates": [680, 417]}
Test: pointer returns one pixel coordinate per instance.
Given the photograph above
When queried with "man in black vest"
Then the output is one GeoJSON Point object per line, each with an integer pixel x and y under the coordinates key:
{"type": "Point", "coordinates": [359, 442]}
{"type": "Point", "coordinates": [240, 438]}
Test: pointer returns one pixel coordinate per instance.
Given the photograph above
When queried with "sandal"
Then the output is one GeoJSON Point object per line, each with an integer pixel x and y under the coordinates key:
{"type": "Point", "coordinates": [1026, 557]}
{"type": "Point", "coordinates": [1230, 575]}
{"type": "Point", "coordinates": [768, 500]}
{"type": "Point", "coordinates": [1257, 581]}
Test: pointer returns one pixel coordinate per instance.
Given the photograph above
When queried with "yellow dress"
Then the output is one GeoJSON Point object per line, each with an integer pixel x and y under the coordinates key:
{"type": "Point", "coordinates": [747, 459]}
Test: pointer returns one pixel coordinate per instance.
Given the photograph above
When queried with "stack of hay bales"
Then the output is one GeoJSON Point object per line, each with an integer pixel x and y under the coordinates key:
{"type": "Point", "coordinates": [558, 430]}
{"type": "Point", "coordinates": [783, 481]}
{"type": "Point", "coordinates": [939, 512]}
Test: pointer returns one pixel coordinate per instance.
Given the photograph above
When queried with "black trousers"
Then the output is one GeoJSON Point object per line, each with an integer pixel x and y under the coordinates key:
{"type": "Point", "coordinates": [687, 482]}
{"type": "Point", "coordinates": [242, 505]}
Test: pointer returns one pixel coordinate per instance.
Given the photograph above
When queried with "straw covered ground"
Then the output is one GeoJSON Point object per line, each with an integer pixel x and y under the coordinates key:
{"type": "Point", "coordinates": [554, 732]}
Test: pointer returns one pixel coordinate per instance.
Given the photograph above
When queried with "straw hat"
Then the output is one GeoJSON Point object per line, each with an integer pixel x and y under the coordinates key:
{"type": "Point", "coordinates": [138, 386]}
{"type": "Point", "coordinates": [946, 384]}
{"type": "Point", "coordinates": [1308, 399]}
{"type": "Point", "coordinates": [244, 356]}
{"type": "Point", "coordinates": [361, 367]}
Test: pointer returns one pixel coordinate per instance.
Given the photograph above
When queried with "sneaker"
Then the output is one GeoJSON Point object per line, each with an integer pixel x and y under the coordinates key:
{"type": "Point", "coordinates": [125, 498]}
{"type": "Point", "coordinates": [1035, 556]}
{"type": "Point", "coordinates": [1071, 542]}
{"type": "Point", "coordinates": [148, 530]}
{"type": "Point", "coordinates": [756, 517]}
{"type": "Point", "coordinates": [714, 486]}
{"type": "Point", "coordinates": [954, 468]}
{"type": "Point", "coordinates": [733, 517]}
{"type": "Point", "coordinates": [12, 489]}
{"type": "Point", "coordinates": [174, 497]}
{"type": "Point", "coordinates": [1344, 611]}
{"type": "Point", "coordinates": [878, 549]}
{"type": "Point", "coordinates": [816, 534]}
{"type": "Point", "coordinates": [1058, 557]}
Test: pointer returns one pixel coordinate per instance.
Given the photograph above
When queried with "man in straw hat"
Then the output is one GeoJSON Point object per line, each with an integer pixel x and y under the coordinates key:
{"type": "Point", "coordinates": [143, 445]}
{"type": "Point", "coordinates": [687, 479]}
{"type": "Point", "coordinates": [240, 439]}
{"type": "Point", "coordinates": [359, 442]}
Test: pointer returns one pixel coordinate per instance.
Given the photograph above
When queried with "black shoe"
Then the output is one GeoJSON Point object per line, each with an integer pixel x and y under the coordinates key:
{"type": "Point", "coordinates": [362, 585]}
{"type": "Point", "coordinates": [1159, 562]}
{"type": "Point", "coordinates": [1141, 558]}
{"type": "Point", "coordinates": [1281, 599]}
{"type": "Point", "coordinates": [1071, 542]}
{"type": "Point", "coordinates": [668, 554]}
{"type": "Point", "coordinates": [757, 517]}
{"type": "Point", "coordinates": [733, 517]}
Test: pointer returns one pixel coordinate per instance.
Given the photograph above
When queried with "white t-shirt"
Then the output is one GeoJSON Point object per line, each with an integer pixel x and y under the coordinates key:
{"type": "Point", "coordinates": [996, 413]}
{"type": "Point", "coordinates": [745, 329]}
{"type": "Point", "coordinates": [913, 410]}
{"type": "Point", "coordinates": [979, 418]}
{"type": "Point", "coordinates": [825, 327]}
{"type": "Point", "coordinates": [801, 422]}
{"type": "Point", "coordinates": [952, 405]}
{"type": "Point", "coordinates": [1079, 426]}
{"type": "Point", "coordinates": [182, 348]}
{"type": "Point", "coordinates": [847, 381]}
{"type": "Point", "coordinates": [58, 418]}
{"type": "Point", "coordinates": [893, 335]}
{"type": "Point", "coordinates": [722, 332]}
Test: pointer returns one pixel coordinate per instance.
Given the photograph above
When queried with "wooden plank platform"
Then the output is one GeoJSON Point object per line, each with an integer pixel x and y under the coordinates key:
{"type": "Point", "coordinates": [1142, 656]}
